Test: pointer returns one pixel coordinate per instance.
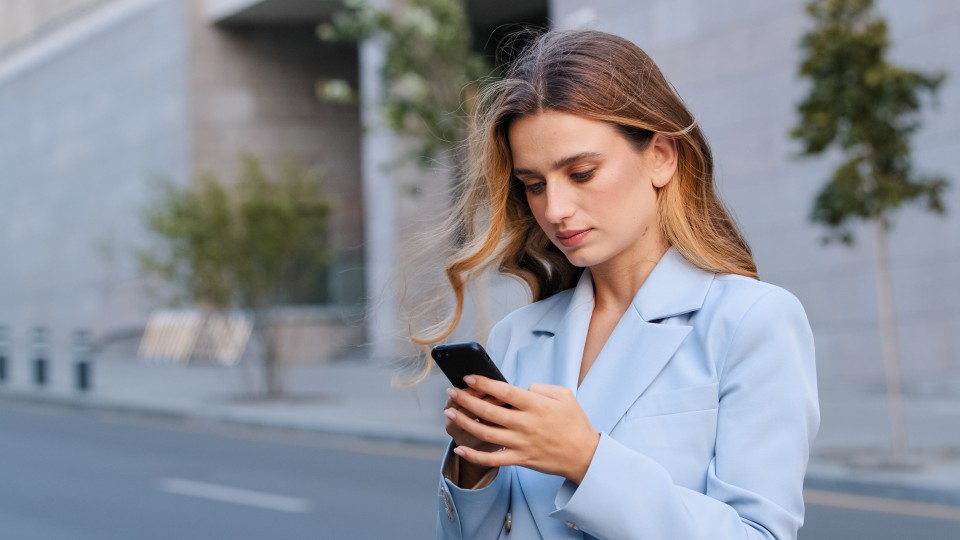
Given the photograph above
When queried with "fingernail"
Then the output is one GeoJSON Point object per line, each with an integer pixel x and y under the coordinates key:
{"type": "Point", "coordinates": [452, 392]}
{"type": "Point", "coordinates": [469, 379]}
{"type": "Point", "coordinates": [458, 451]}
{"type": "Point", "coordinates": [449, 413]}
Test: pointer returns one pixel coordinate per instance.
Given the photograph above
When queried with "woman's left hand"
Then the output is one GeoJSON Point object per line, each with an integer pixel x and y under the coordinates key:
{"type": "Point", "coordinates": [546, 429]}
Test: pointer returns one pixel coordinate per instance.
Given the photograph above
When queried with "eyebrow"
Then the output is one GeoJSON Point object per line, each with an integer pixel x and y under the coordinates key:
{"type": "Point", "coordinates": [560, 163]}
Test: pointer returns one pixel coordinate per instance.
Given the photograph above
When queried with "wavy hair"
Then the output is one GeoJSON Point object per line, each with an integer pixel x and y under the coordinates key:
{"type": "Point", "coordinates": [601, 77]}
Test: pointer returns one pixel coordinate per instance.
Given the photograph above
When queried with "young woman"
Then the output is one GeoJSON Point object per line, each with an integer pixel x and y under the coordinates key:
{"type": "Point", "coordinates": [657, 390]}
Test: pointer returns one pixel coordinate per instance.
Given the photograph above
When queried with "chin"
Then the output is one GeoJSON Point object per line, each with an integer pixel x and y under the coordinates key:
{"type": "Point", "coordinates": [582, 260]}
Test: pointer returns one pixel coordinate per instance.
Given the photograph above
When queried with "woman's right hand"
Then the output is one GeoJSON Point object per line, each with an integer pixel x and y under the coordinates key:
{"type": "Point", "coordinates": [460, 436]}
{"type": "Point", "coordinates": [470, 473]}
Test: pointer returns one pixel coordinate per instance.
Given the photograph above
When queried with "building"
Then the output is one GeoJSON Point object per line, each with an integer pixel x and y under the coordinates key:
{"type": "Point", "coordinates": [97, 95]}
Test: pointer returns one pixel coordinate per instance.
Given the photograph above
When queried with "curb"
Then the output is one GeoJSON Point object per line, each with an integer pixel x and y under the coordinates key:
{"type": "Point", "coordinates": [219, 414]}
{"type": "Point", "coordinates": [875, 484]}
{"type": "Point", "coordinates": [903, 490]}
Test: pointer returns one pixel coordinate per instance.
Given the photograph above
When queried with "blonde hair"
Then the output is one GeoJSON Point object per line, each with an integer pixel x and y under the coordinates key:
{"type": "Point", "coordinates": [601, 77]}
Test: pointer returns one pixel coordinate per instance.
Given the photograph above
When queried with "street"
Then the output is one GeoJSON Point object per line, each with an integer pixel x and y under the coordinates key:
{"type": "Point", "coordinates": [91, 475]}
{"type": "Point", "coordinates": [94, 475]}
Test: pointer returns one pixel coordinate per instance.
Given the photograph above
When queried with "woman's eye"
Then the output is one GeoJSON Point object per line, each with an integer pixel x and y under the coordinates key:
{"type": "Point", "coordinates": [534, 188]}
{"type": "Point", "coordinates": [582, 176]}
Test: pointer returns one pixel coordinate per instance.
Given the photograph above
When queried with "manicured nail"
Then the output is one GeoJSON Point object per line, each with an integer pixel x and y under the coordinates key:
{"type": "Point", "coordinates": [458, 451]}
{"type": "Point", "coordinates": [450, 413]}
{"type": "Point", "coordinates": [452, 392]}
{"type": "Point", "coordinates": [469, 379]}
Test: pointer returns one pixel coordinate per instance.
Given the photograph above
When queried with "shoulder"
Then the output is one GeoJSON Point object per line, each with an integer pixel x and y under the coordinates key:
{"type": "Point", "coordinates": [738, 297]}
{"type": "Point", "coordinates": [527, 318]}
{"type": "Point", "coordinates": [742, 310]}
{"type": "Point", "coordinates": [524, 321]}
{"type": "Point", "coordinates": [759, 322]}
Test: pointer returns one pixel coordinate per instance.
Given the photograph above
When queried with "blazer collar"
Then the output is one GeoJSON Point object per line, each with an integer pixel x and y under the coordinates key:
{"type": "Point", "coordinates": [673, 288]}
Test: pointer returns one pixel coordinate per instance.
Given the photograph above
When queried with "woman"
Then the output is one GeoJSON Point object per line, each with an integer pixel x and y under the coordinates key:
{"type": "Point", "coordinates": [658, 389]}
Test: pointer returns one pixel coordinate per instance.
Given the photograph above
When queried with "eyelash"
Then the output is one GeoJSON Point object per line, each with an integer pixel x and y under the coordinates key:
{"type": "Point", "coordinates": [538, 187]}
{"type": "Point", "coordinates": [582, 176]}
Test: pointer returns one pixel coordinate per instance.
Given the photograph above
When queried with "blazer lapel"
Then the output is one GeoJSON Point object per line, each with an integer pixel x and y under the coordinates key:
{"type": "Point", "coordinates": [635, 353]}
{"type": "Point", "coordinates": [554, 358]}
{"type": "Point", "coordinates": [633, 356]}
{"type": "Point", "coordinates": [639, 347]}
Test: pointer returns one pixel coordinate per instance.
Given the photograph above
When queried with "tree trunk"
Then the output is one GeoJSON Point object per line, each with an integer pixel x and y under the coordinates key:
{"type": "Point", "coordinates": [267, 333]}
{"type": "Point", "coordinates": [889, 347]}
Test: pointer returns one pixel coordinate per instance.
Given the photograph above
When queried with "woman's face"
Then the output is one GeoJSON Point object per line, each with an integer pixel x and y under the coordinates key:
{"type": "Point", "coordinates": [592, 192]}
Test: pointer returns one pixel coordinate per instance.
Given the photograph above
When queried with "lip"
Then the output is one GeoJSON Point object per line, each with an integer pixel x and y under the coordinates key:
{"type": "Point", "coordinates": [572, 238]}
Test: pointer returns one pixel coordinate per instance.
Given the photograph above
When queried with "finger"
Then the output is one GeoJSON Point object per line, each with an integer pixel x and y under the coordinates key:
{"type": "Point", "coordinates": [551, 391]}
{"type": "Point", "coordinates": [505, 392]}
{"type": "Point", "coordinates": [499, 458]}
{"type": "Point", "coordinates": [471, 391]}
{"type": "Point", "coordinates": [485, 432]}
{"type": "Point", "coordinates": [481, 408]}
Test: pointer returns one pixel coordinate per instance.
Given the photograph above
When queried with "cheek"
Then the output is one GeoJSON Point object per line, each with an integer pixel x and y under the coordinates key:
{"type": "Point", "coordinates": [535, 204]}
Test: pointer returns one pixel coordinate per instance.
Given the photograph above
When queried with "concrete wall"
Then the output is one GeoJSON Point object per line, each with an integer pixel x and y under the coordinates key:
{"type": "Point", "coordinates": [88, 113]}
{"type": "Point", "coordinates": [21, 19]}
{"type": "Point", "coordinates": [252, 90]}
{"type": "Point", "coordinates": [734, 63]}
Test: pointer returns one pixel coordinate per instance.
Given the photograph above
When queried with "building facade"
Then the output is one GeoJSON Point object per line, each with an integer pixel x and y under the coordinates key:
{"type": "Point", "coordinates": [97, 95]}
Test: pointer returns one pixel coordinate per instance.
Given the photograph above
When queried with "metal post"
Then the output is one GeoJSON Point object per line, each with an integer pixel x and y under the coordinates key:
{"type": "Point", "coordinates": [3, 354]}
{"type": "Point", "coordinates": [40, 352]}
{"type": "Point", "coordinates": [82, 364]}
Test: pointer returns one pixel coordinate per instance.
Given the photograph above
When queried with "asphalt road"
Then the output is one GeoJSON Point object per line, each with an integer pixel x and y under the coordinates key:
{"type": "Point", "coordinates": [69, 474]}
{"type": "Point", "coordinates": [91, 475]}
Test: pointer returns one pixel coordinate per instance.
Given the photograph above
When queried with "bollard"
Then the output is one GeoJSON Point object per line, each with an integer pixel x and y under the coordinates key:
{"type": "Point", "coordinates": [82, 364]}
{"type": "Point", "coordinates": [3, 354]}
{"type": "Point", "coordinates": [39, 358]}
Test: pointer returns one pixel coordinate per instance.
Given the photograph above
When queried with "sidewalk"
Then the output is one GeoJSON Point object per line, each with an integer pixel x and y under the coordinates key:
{"type": "Point", "coordinates": [355, 397]}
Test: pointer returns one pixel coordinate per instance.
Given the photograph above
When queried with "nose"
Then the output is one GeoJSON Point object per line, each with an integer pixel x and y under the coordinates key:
{"type": "Point", "coordinates": [558, 202]}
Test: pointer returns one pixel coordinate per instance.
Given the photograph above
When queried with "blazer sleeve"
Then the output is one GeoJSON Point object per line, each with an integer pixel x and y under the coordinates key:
{"type": "Point", "coordinates": [767, 418]}
{"type": "Point", "coordinates": [475, 513]}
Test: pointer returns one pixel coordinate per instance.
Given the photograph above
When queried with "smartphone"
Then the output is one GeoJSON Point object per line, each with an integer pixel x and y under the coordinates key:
{"type": "Point", "coordinates": [457, 360]}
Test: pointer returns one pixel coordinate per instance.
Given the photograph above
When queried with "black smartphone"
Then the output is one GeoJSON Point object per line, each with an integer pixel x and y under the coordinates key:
{"type": "Point", "coordinates": [457, 360]}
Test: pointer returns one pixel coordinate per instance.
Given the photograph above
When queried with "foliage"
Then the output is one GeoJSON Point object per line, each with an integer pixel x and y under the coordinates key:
{"type": "Point", "coordinates": [254, 244]}
{"type": "Point", "coordinates": [428, 71]}
{"type": "Point", "coordinates": [866, 107]}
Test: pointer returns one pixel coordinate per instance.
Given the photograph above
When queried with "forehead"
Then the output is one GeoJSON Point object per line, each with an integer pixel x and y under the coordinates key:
{"type": "Point", "coordinates": [550, 135]}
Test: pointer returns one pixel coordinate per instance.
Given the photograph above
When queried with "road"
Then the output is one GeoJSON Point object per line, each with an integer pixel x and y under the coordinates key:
{"type": "Point", "coordinates": [92, 475]}
{"type": "Point", "coordinates": [68, 474]}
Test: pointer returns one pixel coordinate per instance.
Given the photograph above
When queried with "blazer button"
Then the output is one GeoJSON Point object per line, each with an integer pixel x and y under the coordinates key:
{"type": "Point", "coordinates": [448, 504]}
{"type": "Point", "coordinates": [572, 525]}
{"type": "Point", "coordinates": [508, 523]}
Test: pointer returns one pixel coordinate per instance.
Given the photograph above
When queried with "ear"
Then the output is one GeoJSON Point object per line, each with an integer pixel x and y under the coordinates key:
{"type": "Point", "coordinates": [662, 156]}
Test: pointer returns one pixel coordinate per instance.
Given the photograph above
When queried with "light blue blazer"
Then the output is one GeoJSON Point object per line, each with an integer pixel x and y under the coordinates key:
{"type": "Point", "coordinates": [705, 396]}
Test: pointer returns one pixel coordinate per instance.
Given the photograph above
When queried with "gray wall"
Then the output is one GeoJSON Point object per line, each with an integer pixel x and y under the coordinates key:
{"type": "Point", "coordinates": [734, 63]}
{"type": "Point", "coordinates": [87, 114]}
{"type": "Point", "coordinates": [21, 19]}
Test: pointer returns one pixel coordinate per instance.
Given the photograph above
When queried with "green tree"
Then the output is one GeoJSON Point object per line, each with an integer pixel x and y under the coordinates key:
{"type": "Point", "coordinates": [429, 73]}
{"type": "Point", "coordinates": [868, 109]}
{"type": "Point", "coordinates": [255, 244]}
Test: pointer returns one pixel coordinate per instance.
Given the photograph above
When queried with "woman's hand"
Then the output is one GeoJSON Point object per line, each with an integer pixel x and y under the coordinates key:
{"type": "Point", "coordinates": [470, 473]}
{"type": "Point", "coordinates": [460, 436]}
{"type": "Point", "coordinates": [546, 429]}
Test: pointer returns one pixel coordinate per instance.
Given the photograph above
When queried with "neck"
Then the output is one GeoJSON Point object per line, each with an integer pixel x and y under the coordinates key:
{"type": "Point", "coordinates": [616, 282]}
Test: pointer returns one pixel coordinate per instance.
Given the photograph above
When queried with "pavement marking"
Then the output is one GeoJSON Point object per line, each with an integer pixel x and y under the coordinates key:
{"type": "Point", "coordinates": [234, 495]}
{"type": "Point", "coordinates": [881, 505]}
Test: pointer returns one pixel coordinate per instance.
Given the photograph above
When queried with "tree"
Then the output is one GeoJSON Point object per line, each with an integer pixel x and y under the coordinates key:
{"type": "Point", "coordinates": [867, 108]}
{"type": "Point", "coordinates": [429, 72]}
{"type": "Point", "coordinates": [255, 244]}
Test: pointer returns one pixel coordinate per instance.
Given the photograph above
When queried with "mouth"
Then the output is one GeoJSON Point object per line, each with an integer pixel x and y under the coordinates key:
{"type": "Point", "coordinates": [571, 238]}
